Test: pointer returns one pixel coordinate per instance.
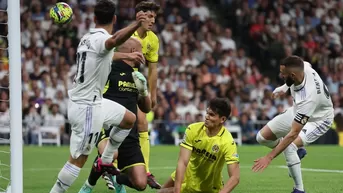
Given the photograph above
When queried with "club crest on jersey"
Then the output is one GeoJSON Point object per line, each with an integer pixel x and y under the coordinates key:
{"type": "Point", "coordinates": [148, 47]}
{"type": "Point", "coordinates": [215, 148]}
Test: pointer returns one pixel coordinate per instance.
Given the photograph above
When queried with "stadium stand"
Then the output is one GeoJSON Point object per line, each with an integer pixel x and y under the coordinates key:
{"type": "Point", "coordinates": [226, 48]}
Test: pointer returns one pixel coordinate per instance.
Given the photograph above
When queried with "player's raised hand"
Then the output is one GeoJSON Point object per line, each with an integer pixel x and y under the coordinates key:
{"type": "Point", "coordinates": [280, 91]}
{"type": "Point", "coordinates": [277, 94]}
{"type": "Point", "coordinates": [261, 164]}
{"type": "Point", "coordinates": [141, 83]}
{"type": "Point", "coordinates": [136, 57]}
{"type": "Point", "coordinates": [141, 16]}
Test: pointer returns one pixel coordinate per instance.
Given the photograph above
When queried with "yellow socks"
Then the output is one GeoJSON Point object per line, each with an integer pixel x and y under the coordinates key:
{"type": "Point", "coordinates": [145, 148]}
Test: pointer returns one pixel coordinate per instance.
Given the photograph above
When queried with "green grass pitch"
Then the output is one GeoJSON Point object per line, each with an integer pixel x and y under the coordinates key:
{"type": "Point", "coordinates": [322, 169]}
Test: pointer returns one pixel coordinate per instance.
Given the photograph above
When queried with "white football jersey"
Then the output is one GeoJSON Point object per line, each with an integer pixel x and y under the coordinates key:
{"type": "Point", "coordinates": [93, 67]}
{"type": "Point", "coordinates": [312, 101]}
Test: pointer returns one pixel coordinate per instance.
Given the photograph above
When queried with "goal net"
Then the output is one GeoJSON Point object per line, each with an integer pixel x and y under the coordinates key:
{"type": "Point", "coordinates": [11, 160]}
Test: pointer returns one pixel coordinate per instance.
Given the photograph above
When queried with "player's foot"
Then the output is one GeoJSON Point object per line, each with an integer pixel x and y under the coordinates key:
{"type": "Point", "coordinates": [152, 182]}
{"type": "Point", "coordinates": [109, 181]}
{"type": "Point", "coordinates": [85, 189]}
{"type": "Point", "coordinates": [301, 152]}
{"type": "Point", "coordinates": [297, 191]}
{"type": "Point", "coordinates": [102, 167]}
{"type": "Point", "coordinates": [119, 187]}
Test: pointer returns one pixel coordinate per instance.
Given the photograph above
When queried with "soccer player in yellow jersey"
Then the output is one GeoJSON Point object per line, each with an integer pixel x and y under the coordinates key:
{"type": "Point", "coordinates": [206, 148]}
{"type": "Point", "coordinates": [150, 47]}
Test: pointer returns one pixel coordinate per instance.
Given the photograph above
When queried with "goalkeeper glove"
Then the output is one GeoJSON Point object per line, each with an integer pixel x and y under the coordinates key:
{"type": "Point", "coordinates": [141, 83]}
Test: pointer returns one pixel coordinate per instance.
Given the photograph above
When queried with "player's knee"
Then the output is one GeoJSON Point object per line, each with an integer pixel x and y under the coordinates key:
{"type": "Point", "coordinates": [261, 139]}
{"type": "Point", "coordinates": [128, 121]}
{"type": "Point", "coordinates": [140, 184]}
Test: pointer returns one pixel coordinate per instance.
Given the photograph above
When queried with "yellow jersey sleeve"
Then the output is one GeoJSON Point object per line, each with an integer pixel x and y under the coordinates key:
{"type": "Point", "coordinates": [231, 155]}
{"type": "Point", "coordinates": [187, 141]}
{"type": "Point", "coordinates": [152, 52]}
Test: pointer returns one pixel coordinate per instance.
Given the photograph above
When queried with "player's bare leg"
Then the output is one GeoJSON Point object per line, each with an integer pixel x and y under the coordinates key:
{"type": "Point", "coordinates": [267, 138]}
{"type": "Point", "coordinates": [134, 177]}
{"type": "Point", "coordinates": [167, 187]}
{"type": "Point", "coordinates": [142, 125]}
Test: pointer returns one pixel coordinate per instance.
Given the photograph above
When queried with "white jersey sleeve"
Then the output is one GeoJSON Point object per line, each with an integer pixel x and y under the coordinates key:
{"type": "Point", "coordinates": [305, 109]}
{"type": "Point", "coordinates": [99, 45]}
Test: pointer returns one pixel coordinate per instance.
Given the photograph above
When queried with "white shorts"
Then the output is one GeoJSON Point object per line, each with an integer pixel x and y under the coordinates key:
{"type": "Point", "coordinates": [281, 125]}
{"type": "Point", "coordinates": [113, 113]}
{"type": "Point", "coordinates": [86, 122]}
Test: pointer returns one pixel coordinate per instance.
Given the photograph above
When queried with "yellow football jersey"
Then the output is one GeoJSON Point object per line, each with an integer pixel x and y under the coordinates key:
{"type": "Point", "coordinates": [150, 46]}
{"type": "Point", "coordinates": [209, 155]}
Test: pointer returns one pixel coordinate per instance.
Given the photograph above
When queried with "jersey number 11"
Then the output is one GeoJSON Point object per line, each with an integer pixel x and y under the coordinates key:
{"type": "Point", "coordinates": [80, 60]}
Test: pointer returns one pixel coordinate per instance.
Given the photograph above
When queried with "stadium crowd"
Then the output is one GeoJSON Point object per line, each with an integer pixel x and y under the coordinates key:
{"type": "Point", "coordinates": [199, 59]}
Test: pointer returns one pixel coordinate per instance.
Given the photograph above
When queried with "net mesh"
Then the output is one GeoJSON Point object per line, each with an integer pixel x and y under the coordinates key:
{"type": "Point", "coordinates": [4, 105]}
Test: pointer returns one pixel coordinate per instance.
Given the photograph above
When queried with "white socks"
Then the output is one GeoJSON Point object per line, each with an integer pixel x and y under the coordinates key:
{"type": "Point", "coordinates": [117, 136]}
{"type": "Point", "coordinates": [294, 165]}
{"type": "Point", "coordinates": [66, 178]}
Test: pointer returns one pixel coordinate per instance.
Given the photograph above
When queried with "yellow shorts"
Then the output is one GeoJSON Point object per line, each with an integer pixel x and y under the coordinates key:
{"type": "Point", "coordinates": [188, 189]}
{"type": "Point", "coordinates": [183, 186]}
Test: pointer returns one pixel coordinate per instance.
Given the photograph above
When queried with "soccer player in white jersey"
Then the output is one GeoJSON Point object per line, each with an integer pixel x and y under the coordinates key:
{"type": "Point", "coordinates": [85, 112]}
{"type": "Point", "coordinates": [309, 118]}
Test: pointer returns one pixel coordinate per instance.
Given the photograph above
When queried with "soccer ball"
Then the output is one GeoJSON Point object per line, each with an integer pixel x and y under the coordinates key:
{"type": "Point", "coordinates": [61, 13]}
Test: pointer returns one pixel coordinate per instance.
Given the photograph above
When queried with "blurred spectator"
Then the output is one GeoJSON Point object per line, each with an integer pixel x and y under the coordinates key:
{"type": "Point", "coordinates": [201, 57]}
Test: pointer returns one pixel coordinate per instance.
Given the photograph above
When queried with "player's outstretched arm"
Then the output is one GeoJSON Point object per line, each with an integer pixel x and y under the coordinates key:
{"type": "Point", "coordinates": [182, 163]}
{"type": "Point", "coordinates": [135, 57]}
{"type": "Point", "coordinates": [279, 91]}
{"type": "Point", "coordinates": [234, 173]}
{"type": "Point", "coordinates": [262, 163]}
{"type": "Point", "coordinates": [122, 35]}
{"type": "Point", "coordinates": [287, 140]}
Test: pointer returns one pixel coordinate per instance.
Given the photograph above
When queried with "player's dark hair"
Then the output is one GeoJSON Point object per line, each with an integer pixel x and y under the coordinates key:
{"type": "Point", "coordinates": [221, 106]}
{"type": "Point", "coordinates": [147, 6]}
{"type": "Point", "coordinates": [104, 11]}
{"type": "Point", "coordinates": [293, 62]}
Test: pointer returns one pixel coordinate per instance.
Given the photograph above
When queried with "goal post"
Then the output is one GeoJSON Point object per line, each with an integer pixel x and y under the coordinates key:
{"type": "Point", "coordinates": [15, 88]}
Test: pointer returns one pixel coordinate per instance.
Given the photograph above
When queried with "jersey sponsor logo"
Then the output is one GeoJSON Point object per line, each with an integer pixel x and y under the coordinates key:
{"type": "Point", "coordinates": [126, 86]}
{"type": "Point", "coordinates": [122, 74]}
{"type": "Point", "coordinates": [197, 140]}
{"type": "Point", "coordinates": [205, 154]}
{"type": "Point", "coordinates": [215, 148]}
